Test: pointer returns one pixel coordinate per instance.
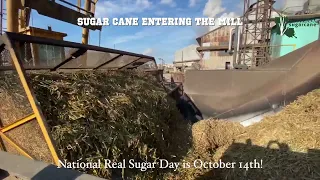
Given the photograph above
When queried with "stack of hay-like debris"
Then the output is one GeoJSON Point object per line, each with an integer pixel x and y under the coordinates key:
{"type": "Point", "coordinates": [99, 115]}
{"type": "Point", "coordinates": [285, 146]}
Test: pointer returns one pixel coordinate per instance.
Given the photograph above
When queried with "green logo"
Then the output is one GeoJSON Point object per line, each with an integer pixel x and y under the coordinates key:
{"type": "Point", "coordinates": [282, 27]}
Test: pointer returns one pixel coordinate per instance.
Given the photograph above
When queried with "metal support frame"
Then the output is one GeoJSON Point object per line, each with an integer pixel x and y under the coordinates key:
{"type": "Point", "coordinates": [50, 9]}
{"type": "Point", "coordinates": [255, 34]}
{"type": "Point", "coordinates": [8, 42]}
{"type": "Point", "coordinates": [18, 123]}
{"type": "Point", "coordinates": [17, 147]}
{"type": "Point", "coordinates": [77, 53]}
{"type": "Point", "coordinates": [93, 7]}
{"type": "Point", "coordinates": [85, 31]}
{"type": "Point", "coordinates": [13, 126]}
{"type": "Point", "coordinates": [107, 62]}
{"type": "Point", "coordinates": [37, 113]}
{"type": "Point", "coordinates": [53, 42]}
{"type": "Point", "coordinates": [12, 16]}
{"type": "Point", "coordinates": [120, 68]}
{"type": "Point", "coordinates": [78, 7]}
{"type": "Point", "coordinates": [81, 49]}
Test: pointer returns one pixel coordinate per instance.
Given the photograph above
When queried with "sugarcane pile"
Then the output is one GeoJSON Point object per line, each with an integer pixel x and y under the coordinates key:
{"type": "Point", "coordinates": [288, 144]}
{"type": "Point", "coordinates": [108, 115]}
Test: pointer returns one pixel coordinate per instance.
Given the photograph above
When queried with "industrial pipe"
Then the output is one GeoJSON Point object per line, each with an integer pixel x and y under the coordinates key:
{"type": "Point", "coordinates": [230, 40]}
{"type": "Point", "coordinates": [12, 16]}
{"type": "Point", "coordinates": [238, 43]}
{"type": "Point", "coordinates": [239, 38]}
{"type": "Point", "coordinates": [236, 54]}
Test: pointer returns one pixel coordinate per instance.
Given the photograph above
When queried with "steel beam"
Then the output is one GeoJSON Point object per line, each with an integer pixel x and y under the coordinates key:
{"type": "Point", "coordinates": [85, 31]}
{"type": "Point", "coordinates": [18, 123]}
{"type": "Point", "coordinates": [129, 64]}
{"type": "Point", "coordinates": [78, 7]}
{"type": "Point", "coordinates": [57, 11]}
{"type": "Point", "coordinates": [220, 48]}
{"type": "Point", "coordinates": [72, 56]}
{"type": "Point", "coordinates": [12, 16]}
{"type": "Point", "coordinates": [113, 59]}
{"type": "Point", "coordinates": [48, 41]}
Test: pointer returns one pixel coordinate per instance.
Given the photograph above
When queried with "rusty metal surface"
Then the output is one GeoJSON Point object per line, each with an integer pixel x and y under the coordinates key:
{"type": "Point", "coordinates": [225, 94]}
{"type": "Point", "coordinates": [220, 34]}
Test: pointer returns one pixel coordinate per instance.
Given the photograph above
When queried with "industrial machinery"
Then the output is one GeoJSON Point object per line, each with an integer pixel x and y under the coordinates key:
{"type": "Point", "coordinates": [243, 95]}
{"type": "Point", "coordinates": [13, 58]}
{"type": "Point", "coordinates": [237, 95]}
{"type": "Point", "coordinates": [257, 85]}
{"type": "Point", "coordinates": [21, 53]}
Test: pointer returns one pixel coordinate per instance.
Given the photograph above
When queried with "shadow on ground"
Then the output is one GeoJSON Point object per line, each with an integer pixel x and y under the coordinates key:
{"type": "Point", "coordinates": [278, 162]}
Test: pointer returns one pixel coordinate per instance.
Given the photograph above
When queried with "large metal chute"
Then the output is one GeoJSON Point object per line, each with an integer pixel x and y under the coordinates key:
{"type": "Point", "coordinates": [246, 93]}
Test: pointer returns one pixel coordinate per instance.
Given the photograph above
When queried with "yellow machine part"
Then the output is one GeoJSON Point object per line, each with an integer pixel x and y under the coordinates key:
{"type": "Point", "coordinates": [23, 131]}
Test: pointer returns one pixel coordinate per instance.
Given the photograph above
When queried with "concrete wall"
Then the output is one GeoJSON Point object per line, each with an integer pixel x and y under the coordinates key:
{"type": "Point", "coordinates": [215, 59]}
{"type": "Point", "coordinates": [306, 31]}
{"type": "Point", "coordinates": [188, 53]}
